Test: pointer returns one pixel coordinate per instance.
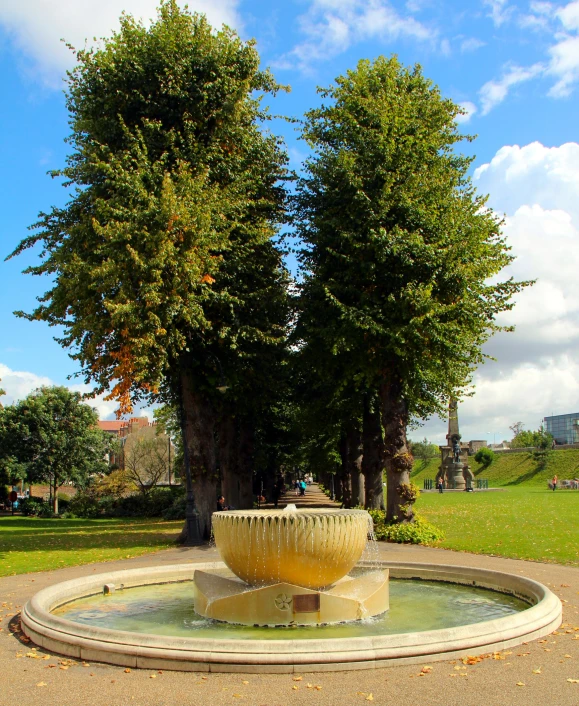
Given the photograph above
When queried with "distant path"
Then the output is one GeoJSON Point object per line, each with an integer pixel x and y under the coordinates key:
{"type": "Point", "coordinates": [314, 498]}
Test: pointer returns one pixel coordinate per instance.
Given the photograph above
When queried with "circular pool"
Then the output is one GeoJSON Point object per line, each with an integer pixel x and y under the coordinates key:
{"type": "Point", "coordinates": [436, 612]}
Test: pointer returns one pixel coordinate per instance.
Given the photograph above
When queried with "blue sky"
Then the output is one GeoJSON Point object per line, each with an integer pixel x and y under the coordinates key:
{"type": "Point", "coordinates": [513, 65]}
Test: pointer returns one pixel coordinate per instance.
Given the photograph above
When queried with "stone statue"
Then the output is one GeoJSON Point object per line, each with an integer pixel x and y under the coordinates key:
{"type": "Point", "coordinates": [456, 449]}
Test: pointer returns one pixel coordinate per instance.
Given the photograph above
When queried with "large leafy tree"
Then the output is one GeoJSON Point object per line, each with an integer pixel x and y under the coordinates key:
{"type": "Point", "coordinates": [158, 256]}
{"type": "Point", "coordinates": [400, 256]}
{"type": "Point", "coordinates": [55, 436]}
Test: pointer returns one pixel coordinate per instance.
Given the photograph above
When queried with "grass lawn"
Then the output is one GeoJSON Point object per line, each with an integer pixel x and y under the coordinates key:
{"type": "Point", "coordinates": [518, 522]}
{"type": "Point", "coordinates": [511, 469]}
{"type": "Point", "coordinates": [31, 544]}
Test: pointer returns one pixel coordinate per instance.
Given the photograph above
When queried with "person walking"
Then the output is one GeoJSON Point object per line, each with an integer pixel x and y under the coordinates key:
{"type": "Point", "coordinates": [440, 484]}
{"type": "Point", "coordinates": [554, 482]}
{"type": "Point", "coordinates": [302, 487]}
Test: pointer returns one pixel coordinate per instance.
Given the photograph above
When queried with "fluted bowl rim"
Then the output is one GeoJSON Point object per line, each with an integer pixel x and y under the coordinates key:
{"type": "Point", "coordinates": [316, 512]}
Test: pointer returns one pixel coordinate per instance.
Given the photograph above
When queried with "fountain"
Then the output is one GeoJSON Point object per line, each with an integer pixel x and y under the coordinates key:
{"type": "Point", "coordinates": [293, 567]}
{"type": "Point", "coordinates": [304, 573]}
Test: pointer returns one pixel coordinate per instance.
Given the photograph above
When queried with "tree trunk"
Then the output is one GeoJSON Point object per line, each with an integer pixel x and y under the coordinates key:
{"type": "Point", "coordinates": [245, 462]}
{"type": "Point", "coordinates": [55, 496]}
{"type": "Point", "coordinates": [345, 473]}
{"type": "Point", "coordinates": [227, 461]}
{"type": "Point", "coordinates": [198, 432]}
{"type": "Point", "coordinates": [373, 455]}
{"type": "Point", "coordinates": [354, 462]}
{"type": "Point", "coordinates": [398, 459]}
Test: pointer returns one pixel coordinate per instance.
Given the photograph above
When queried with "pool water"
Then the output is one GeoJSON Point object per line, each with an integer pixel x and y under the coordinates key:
{"type": "Point", "coordinates": [167, 609]}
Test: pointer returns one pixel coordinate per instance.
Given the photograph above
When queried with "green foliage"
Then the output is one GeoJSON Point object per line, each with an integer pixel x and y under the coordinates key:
{"type": "Point", "coordinates": [55, 436]}
{"type": "Point", "coordinates": [484, 456]}
{"type": "Point", "coordinates": [166, 247]}
{"type": "Point", "coordinates": [423, 450]}
{"type": "Point", "coordinates": [417, 532]}
{"type": "Point", "coordinates": [35, 507]}
{"type": "Point", "coordinates": [177, 511]}
{"type": "Point", "coordinates": [92, 503]}
{"type": "Point", "coordinates": [540, 439]}
{"type": "Point", "coordinates": [401, 253]}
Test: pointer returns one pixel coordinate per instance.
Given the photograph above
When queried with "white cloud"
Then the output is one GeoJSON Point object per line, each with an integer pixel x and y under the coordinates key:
{"type": "Point", "coordinates": [569, 16]}
{"type": "Point", "coordinates": [332, 26]}
{"type": "Point", "coordinates": [18, 384]}
{"type": "Point", "coordinates": [537, 367]}
{"type": "Point", "coordinates": [495, 92]}
{"type": "Point", "coordinates": [471, 44]}
{"type": "Point", "coordinates": [500, 12]}
{"type": "Point", "coordinates": [37, 26]}
{"type": "Point", "coordinates": [470, 109]}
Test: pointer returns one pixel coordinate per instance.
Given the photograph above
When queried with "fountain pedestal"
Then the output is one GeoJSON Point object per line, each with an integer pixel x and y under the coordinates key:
{"type": "Point", "coordinates": [290, 567]}
{"type": "Point", "coordinates": [232, 601]}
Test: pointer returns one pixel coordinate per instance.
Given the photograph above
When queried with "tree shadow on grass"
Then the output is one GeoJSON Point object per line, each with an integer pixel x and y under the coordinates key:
{"type": "Point", "coordinates": [529, 475]}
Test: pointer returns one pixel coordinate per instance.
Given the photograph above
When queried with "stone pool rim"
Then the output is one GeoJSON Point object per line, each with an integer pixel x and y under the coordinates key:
{"type": "Point", "coordinates": [148, 651]}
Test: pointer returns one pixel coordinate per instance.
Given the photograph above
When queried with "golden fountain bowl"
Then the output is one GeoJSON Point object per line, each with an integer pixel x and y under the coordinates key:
{"type": "Point", "coordinates": [310, 548]}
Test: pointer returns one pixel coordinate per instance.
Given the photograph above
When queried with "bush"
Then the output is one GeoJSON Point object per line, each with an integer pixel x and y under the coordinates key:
{"type": "Point", "coordinates": [85, 504]}
{"type": "Point", "coordinates": [35, 507]}
{"type": "Point", "coordinates": [177, 510]}
{"type": "Point", "coordinates": [417, 532]}
{"type": "Point", "coordinates": [484, 456]}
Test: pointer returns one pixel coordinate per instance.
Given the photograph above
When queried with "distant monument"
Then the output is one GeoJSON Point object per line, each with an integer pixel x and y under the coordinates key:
{"type": "Point", "coordinates": [454, 456]}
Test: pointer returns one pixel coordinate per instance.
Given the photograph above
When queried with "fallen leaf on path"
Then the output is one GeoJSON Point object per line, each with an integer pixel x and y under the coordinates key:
{"type": "Point", "coordinates": [573, 681]}
{"type": "Point", "coordinates": [127, 670]}
{"type": "Point", "coordinates": [298, 678]}
{"type": "Point", "coordinates": [369, 697]}
{"type": "Point", "coordinates": [537, 671]}
{"type": "Point", "coordinates": [41, 683]}
{"type": "Point", "coordinates": [520, 683]}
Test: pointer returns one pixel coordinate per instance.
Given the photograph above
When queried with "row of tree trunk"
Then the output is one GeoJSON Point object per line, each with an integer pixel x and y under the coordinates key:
{"type": "Point", "coordinates": [373, 448]}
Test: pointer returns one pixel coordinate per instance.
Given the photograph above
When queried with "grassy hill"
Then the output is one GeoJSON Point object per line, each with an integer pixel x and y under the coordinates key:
{"type": "Point", "coordinates": [511, 469]}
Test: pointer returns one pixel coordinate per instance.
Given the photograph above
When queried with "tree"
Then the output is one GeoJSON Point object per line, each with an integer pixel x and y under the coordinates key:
{"type": "Point", "coordinates": [178, 195]}
{"type": "Point", "coordinates": [145, 459]}
{"type": "Point", "coordinates": [56, 437]}
{"type": "Point", "coordinates": [423, 450]}
{"type": "Point", "coordinates": [484, 456]}
{"type": "Point", "coordinates": [400, 254]}
{"type": "Point", "coordinates": [516, 428]}
{"type": "Point", "coordinates": [525, 438]}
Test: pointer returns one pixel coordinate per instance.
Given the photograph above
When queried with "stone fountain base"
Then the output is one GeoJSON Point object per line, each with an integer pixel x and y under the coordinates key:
{"type": "Point", "coordinates": [232, 601]}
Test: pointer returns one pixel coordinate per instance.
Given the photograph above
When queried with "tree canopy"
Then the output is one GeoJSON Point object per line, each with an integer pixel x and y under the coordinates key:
{"type": "Point", "coordinates": [55, 437]}
{"type": "Point", "coordinates": [401, 254]}
{"type": "Point", "coordinates": [166, 277]}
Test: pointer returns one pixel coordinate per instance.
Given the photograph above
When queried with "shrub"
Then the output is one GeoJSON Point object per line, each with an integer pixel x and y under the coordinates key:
{"type": "Point", "coordinates": [484, 456]}
{"type": "Point", "coordinates": [417, 532]}
{"type": "Point", "coordinates": [85, 504]}
{"type": "Point", "coordinates": [35, 507]}
{"type": "Point", "coordinates": [177, 510]}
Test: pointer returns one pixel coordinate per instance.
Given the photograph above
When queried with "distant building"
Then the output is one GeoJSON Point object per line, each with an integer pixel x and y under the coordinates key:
{"type": "Point", "coordinates": [564, 428]}
{"type": "Point", "coordinates": [475, 444]}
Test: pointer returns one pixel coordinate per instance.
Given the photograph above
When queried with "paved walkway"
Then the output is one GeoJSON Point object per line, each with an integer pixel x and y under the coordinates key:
{"type": "Point", "coordinates": [543, 667]}
{"type": "Point", "coordinates": [314, 498]}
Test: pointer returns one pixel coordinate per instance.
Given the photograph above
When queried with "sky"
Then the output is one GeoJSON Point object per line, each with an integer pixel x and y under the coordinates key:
{"type": "Point", "coordinates": [513, 66]}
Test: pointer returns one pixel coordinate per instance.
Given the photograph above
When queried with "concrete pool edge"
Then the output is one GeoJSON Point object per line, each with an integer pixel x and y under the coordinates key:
{"type": "Point", "coordinates": [218, 655]}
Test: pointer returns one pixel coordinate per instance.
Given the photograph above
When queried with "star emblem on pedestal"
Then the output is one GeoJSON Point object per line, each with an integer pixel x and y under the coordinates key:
{"type": "Point", "coordinates": [283, 601]}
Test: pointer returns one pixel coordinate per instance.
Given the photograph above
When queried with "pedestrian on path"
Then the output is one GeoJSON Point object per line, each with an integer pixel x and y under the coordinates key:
{"type": "Point", "coordinates": [440, 484]}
